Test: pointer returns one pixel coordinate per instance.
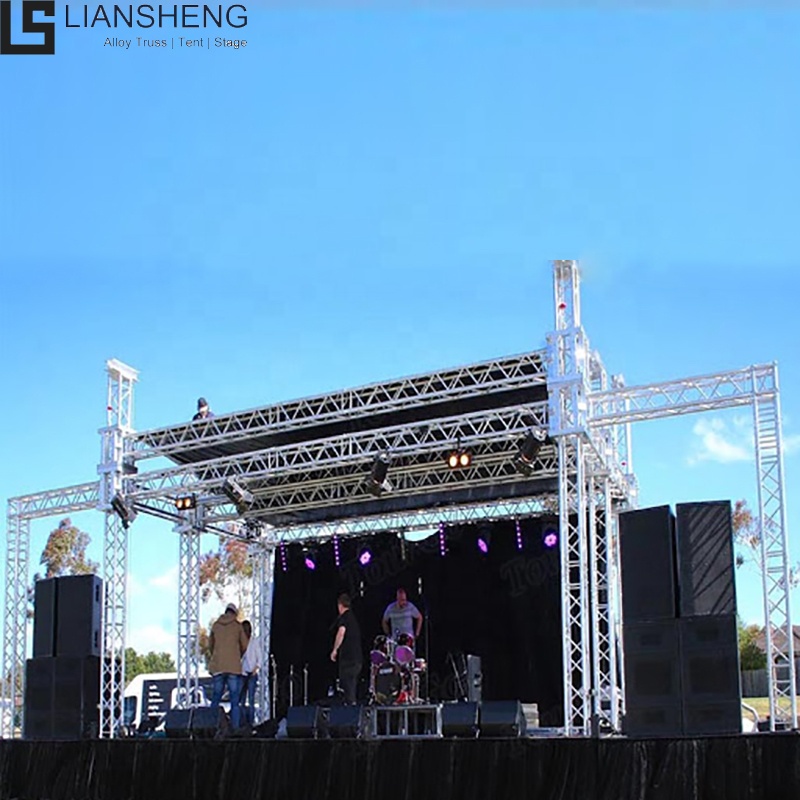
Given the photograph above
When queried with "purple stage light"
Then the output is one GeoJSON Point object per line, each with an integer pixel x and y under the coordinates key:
{"type": "Point", "coordinates": [337, 559]}
{"type": "Point", "coordinates": [310, 564]}
{"type": "Point", "coordinates": [284, 565]}
{"type": "Point", "coordinates": [442, 540]}
{"type": "Point", "coordinates": [519, 534]}
{"type": "Point", "coordinates": [483, 545]}
{"type": "Point", "coordinates": [365, 558]}
{"type": "Point", "coordinates": [550, 538]}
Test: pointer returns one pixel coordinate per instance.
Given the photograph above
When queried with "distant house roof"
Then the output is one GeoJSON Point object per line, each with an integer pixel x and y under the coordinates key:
{"type": "Point", "coordinates": [761, 640]}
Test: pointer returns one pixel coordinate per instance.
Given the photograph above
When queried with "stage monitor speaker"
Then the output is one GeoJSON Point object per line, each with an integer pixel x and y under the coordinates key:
{"type": "Point", "coordinates": [78, 615]}
{"type": "Point", "coordinates": [178, 723]}
{"type": "Point", "coordinates": [306, 722]}
{"type": "Point", "coordinates": [348, 722]}
{"type": "Point", "coordinates": [474, 679]}
{"type": "Point", "coordinates": [460, 719]}
{"type": "Point", "coordinates": [44, 618]}
{"type": "Point", "coordinates": [647, 554]}
{"type": "Point", "coordinates": [704, 540]}
{"type": "Point", "coordinates": [710, 676]}
{"type": "Point", "coordinates": [208, 722]}
{"type": "Point", "coordinates": [652, 678]}
{"type": "Point", "coordinates": [501, 718]}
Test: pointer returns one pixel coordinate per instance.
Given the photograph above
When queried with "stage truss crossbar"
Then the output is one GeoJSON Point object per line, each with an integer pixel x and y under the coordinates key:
{"type": "Point", "coordinates": [587, 415]}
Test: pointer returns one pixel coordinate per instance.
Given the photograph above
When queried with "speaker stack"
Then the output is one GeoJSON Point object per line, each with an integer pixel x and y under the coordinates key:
{"type": "Point", "coordinates": [62, 680]}
{"type": "Point", "coordinates": [679, 621]}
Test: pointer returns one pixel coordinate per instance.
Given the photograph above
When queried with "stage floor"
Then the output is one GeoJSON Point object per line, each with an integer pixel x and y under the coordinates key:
{"type": "Point", "coordinates": [721, 768]}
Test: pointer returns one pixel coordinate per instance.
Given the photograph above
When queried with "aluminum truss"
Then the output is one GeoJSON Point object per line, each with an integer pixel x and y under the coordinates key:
{"type": "Point", "coordinates": [493, 376]}
{"type": "Point", "coordinates": [302, 456]}
{"type": "Point", "coordinates": [15, 627]}
{"type": "Point", "coordinates": [114, 484]}
{"type": "Point", "coordinates": [188, 666]}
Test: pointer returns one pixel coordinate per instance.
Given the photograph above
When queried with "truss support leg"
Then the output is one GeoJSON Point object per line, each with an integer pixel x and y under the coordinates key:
{"type": "Point", "coordinates": [573, 515]}
{"type": "Point", "coordinates": [775, 559]}
{"type": "Point", "coordinates": [263, 559]}
{"type": "Point", "coordinates": [189, 610]}
{"type": "Point", "coordinates": [605, 683]}
{"type": "Point", "coordinates": [115, 573]}
{"type": "Point", "coordinates": [15, 625]}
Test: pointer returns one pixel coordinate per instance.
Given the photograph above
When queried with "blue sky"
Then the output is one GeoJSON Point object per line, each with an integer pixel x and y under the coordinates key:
{"type": "Point", "coordinates": [362, 194]}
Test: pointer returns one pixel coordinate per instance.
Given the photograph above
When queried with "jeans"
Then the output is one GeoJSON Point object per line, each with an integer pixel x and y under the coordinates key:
{"type": "Point", "coordinates": [247, 698]}
{"type": "Point", "coordinates": [234, 686]}
{"type": "Point", "coordinates": [348, 678]}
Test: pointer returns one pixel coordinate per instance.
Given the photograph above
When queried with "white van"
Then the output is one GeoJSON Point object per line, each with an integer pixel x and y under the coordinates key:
{"type": "Point", "coordinates": [148, 697]}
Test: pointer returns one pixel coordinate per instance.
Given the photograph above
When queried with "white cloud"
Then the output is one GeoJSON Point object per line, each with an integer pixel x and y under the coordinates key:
{"type": "Point", "coordinates": [152, 637]}
{"type": "Point", "coordinates": [167, 580]}
{"type": "Point", "coordinates": [791, 444]}
{"type": "Point", "coordinates": [716, 440]}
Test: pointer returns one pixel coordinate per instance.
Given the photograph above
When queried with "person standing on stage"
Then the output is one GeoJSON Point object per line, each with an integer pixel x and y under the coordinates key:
{"type": "Point", "coordinates": [228, 644]}
{"type": "Point", "coordinates": [347, 648]}
{"type": "Point", "coordinates": [203, 411]}
{"type": "Point", "coordinates": [251, 663]}
{"type": "Point", "coordinates": [402, 616]}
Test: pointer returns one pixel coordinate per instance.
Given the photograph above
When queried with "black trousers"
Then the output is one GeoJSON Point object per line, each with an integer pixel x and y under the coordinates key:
{"type": "Point", "coordinates": [348, 679]}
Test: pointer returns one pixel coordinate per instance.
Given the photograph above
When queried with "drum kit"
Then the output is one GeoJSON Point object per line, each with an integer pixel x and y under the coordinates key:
{"type": "Point", "coordinates": [395, 670]}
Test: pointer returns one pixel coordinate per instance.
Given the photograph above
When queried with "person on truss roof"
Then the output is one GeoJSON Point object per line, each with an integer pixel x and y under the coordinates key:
{"type": "Point", "coordinates": [203, 411]}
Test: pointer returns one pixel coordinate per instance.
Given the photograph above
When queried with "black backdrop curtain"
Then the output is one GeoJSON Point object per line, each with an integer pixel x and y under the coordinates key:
{"type": "Point", "coordinates": [503, 605]}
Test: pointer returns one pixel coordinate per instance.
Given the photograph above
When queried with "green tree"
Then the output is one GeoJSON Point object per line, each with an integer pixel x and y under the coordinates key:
{"type": "Point", "coordinates": [65, 552]}
{"type": "Point", "coordinates": [136, 664]}
{"type": "Point", "coordinates": [751, 656]}
{"type": "Point", "coordinates": [747, 539]}
{"type": "Point", "coordinates": [226, 573]}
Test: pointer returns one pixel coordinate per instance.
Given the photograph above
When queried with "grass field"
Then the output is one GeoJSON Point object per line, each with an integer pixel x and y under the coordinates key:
{"type": "Point", "coordinates": [761, 705]}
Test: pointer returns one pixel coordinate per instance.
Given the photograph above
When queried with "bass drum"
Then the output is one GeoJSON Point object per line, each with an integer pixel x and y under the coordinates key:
{"type": "Point", "coordinates": [388, 683]}
{"type": "Point", "coordinates": [404, 652]}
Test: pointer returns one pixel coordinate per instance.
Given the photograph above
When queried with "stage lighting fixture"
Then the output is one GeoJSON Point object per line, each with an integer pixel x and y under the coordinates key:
{"type": "Point", "coordinates": [237, 494]}
{"type": "Point", "coordinates": [186, 503]}
{"type": "Point", "coordinates": [459, 459]}
{"type": "Point", "coordinates": [337, 556]}
{"type": "Point", "coordinates": [364, 556]}
{"type": "Point", "coordinates": [529, 450]}
{"type": "Point", "coordinates": [124, 510]}
{"type": "Point", "coordinates": [442, 540]}
{"type": "Point", "coordinates": [550, 537]}
{"type": "Point", "coordinates": [284, 562]}
{"type": "Point", "coordinates": [309, 559]}
{"type": "Point", "coordinates": [518, 530]}
{"type": "Point", "coordinates": [377, 482]}
{"type": "Point", "coordinates": [484, 541]}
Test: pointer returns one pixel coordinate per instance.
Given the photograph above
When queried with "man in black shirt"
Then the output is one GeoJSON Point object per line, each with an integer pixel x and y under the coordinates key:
{"type": "Point", "coordinates": [347, 648]}
{"type": "Point", "coordinates": [203, 411]}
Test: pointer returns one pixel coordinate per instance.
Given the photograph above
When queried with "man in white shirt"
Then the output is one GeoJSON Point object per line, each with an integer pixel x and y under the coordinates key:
{"type": "Point", "coordinates": [251, 662]}
{"type": "Point", "coordinates": [402, 616]}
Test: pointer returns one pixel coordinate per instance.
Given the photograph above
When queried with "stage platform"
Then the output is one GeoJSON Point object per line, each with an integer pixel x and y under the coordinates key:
{"type": "Point", "coordinates": [720, 768]}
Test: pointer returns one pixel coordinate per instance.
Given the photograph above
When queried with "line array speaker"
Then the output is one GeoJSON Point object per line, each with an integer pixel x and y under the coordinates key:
{"type": "Point", "coordinates": [704, 544]}
{"type": "Point", "coordinates": [647, 556]}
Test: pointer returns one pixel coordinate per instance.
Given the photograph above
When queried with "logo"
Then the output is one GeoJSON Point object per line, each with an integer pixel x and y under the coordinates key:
{"type": "Point", "coordinates": [29, 25]}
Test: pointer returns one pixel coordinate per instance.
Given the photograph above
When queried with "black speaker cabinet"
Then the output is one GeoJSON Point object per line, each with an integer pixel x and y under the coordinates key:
{"type": "Point", "coordinates": [306, 722]}
{"type": "Point", "coordinates": [62, 698]}
{"type": "Point", "coordinates": [502, 718]}
{"type": "Point", "coordinates": [348, 722]}
{"type": "Point", "coordinates": [44, 618]}
{"type": "Point", "coordinates": [207, 722]}
{"type": "Point", "coordinates": [460, 719]}
{"type": "Point", "coordinates": [652, 678]}
{"type": "Point", "coordinates": [79, 613]}
{"type": "Point", "coordinates": [647, 555]}
{"type": "Point", "coordinates": [178, 723]}
{"type": "Point", "coordinates": [712, 694]}
{"type": "Point", "coordinates": [705, 559]}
